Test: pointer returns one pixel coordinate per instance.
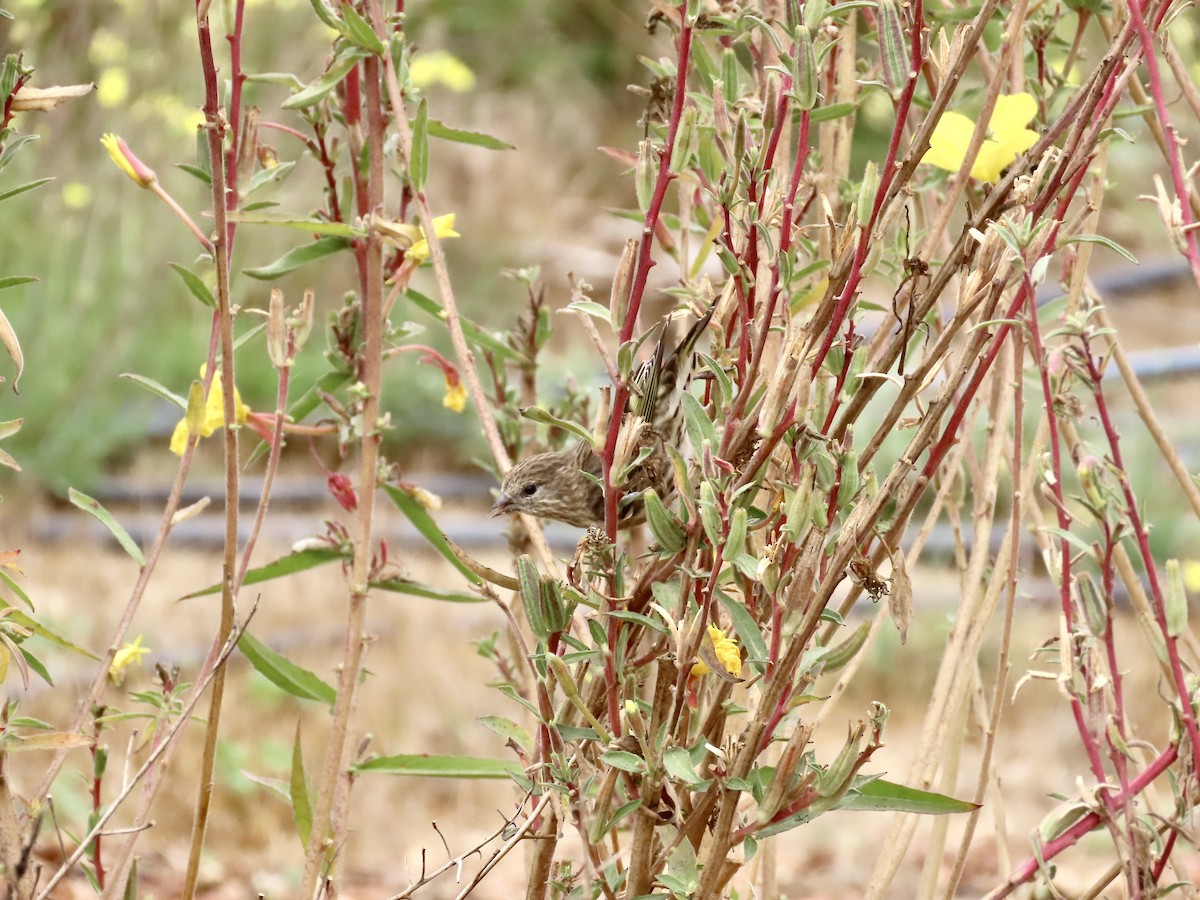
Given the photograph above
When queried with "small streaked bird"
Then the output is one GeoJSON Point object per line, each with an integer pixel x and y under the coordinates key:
{"type": "Point", "coordinates": [565, 485]}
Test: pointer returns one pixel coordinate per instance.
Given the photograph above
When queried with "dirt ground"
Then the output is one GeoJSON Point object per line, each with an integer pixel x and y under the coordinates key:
{"type": "Point", "coordinates": [428, 687]}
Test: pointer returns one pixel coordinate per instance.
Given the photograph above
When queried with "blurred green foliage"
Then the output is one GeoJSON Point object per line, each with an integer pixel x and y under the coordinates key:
{"type": "Point", "coordinates": [107, 303]}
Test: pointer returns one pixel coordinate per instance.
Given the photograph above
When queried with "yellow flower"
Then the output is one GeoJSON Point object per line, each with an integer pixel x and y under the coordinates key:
{"type": "Point", "coordinates": [727, 653]}
{"type": "Point", "coordinates": [443, 227]}
{"type": "Point", "coordinates": [129, 655]}
{"type": "Point", "coordinates": [1009, 138]}
{"type": "Point", "coordinates": [456, 396]}
{"type": "Point", "coordinates": [214, 415]}
{"type": "Point", "coordinates": [440, 67]}
{"type": "Point", "coordinates": [141, 174]}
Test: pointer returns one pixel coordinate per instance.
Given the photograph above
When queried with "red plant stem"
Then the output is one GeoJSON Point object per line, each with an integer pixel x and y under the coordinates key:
{"type": "Point", "coordinates": [97, 802]}
{"type": "Point", "coordinates": [237, 79]}
{"type": "Point", "coordinates": [1074, 832]}
{"type": "Point", "coordinates": [1174, 158]}
{"type": "Point", "coordinates": [1142, 534]}
{"type": "Point", "coordinates": [886, 175]}
{"type": "Point", "coordinates": [1064, 523]}
{"type": "Point", "coordinates": [642, 271]}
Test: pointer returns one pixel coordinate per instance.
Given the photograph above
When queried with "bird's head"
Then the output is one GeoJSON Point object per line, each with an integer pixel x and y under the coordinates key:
{"type": "Point", "coordinates": [550, 486]}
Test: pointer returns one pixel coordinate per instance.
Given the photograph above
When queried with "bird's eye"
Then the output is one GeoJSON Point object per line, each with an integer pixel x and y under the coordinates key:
{"type": "Point", "coordinates": [529, 490]}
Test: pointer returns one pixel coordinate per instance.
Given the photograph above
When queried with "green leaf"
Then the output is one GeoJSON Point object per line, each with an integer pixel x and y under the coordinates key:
{"type": "Point", "coordinates": [832, 111]}
{"type": "Point", "coordinates": [359, 31]}
{"type": "Point", "coordinates": [283, 673]}
{"type": "Point", "coordinates": [300, 792]}
{"type": "Point", "coordinates": [155, 388]}
{"type": "Point", "coordinates": [195, 284]}
{"type": "Point", "coordinates": [416, 589]}
{"type": "Point", "coordinates": [423, 522]}
{"type": "Point", "coordinates": [472, 332]}
{"type": "Point", "coordinates": [699, 426]}
{"type": "Point", "coordinates": [1091, 239]}
{"type": "Point", "coordinates": [440, 766]}
{"type": "Point", "coordinates": [38, 666]}
{"type": "Point", "coordinates": [326, 15]}
{"type": "Point", "coordinates": [15, 588]}
{"type": "Point", "coordinates": [288, 220]}
{"type": "Point", "coordinates": [298, 257]}
{"type": "Point", "coordinates": [22, 188]}
{"type": "Point", "coordinates": [475, 138]}
{"type": "Point", "coordinates": [537, 414]}
{"type": "Point", "coordinates": [877, 794]}
{"type": "Point", "coordinates": [508, 729]}
{"type": "Point", "coordinates": [332, 77]}
{"type": "Point", "coordinates": [94, 508]}
{"type": "Point", "coordinates": [592, 308]}
{"type": "Point", "coordinates": [626, 615]}
{"type": "Point", "coordinates": [298, 561]}
{"type": "Point", "coordinates": [623, 760]}
{"type": "Point", "coordinates": [195, 171]}
{"type": "Point", "coordinates": [418, 165]}
{"type": "Point", "coordinates": [678, 762]}
{"type": "Point", "coordinates": [14, 280]}
{"type": "Point", "coordinates": [745, 626]}
{"type": "Point", "coordinates": [263, 177]}
{"type": "Point", "coordinates": [47, 633]}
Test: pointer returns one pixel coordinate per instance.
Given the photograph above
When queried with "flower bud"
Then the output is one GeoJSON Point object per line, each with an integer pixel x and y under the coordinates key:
{"type": "Point", "coordinates": [893, 50]}
{"type": "Point", "coordinates": [277, 342]}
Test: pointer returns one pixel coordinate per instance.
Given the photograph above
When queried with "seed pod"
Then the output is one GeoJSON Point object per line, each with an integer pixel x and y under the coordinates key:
{"type": "Point", "coordinates": [737, 533]}
{"type": "Point", "coordinates": [277, 331]}
{"type": "Point", "coordinates": [1176, 602]}
{"type": "Point", "coordinates": [617, 305]}
{"type": "Point", "coordinates": [645, 174]}
{"type": "Point", "coordinates": [710, 516]}
{"type": "Point", "coordinates": [796, 513]}
{"type": "Point", "coordinates": [850, 480]}
{"type": "Point", "coordinates": [301, 324]}
{"type": "Point", "coordinates": [893, 48]}
{"type": "Point", "coordinates": [663, 525]}
{"type": "Point", "coordinates": [687, 138]}
{"type": "Point", "coordinates": [804, 69]}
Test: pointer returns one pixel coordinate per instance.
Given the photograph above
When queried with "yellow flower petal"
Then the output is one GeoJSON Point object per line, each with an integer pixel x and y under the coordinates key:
{"type": "Point", "coordinates": [214, 415]}
{"type": "Point", "coordinates": [128, 655]}
{"type": "Point", "coordinates": [948, 143]}
{"type": "Point", "coordinates": [456, 398]}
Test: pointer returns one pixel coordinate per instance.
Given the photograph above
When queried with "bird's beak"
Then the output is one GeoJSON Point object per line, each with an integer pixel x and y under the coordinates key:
{"type": "Point", "coordinates": [501, 506]}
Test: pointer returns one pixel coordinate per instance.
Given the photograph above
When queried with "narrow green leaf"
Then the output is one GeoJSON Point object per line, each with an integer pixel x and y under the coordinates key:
{"type": "Point", "coordinates": [508, 729]}
{"type": "Point", "coordinates": [22, 188]}
{"type": "Point", "coordinates": [15, 280]}
{"type": "Point", "coordinates": [626, 615]}
{"type": "Point", "coordinates": [327, 16]}
{"type": "Point", "coordinates": [16, 588]}
{"type": "Point", "coordinates": [47, 633]}
{"type": "Point", "coordinates": [288, 220]}
{"type": "Point", "coordinates": [1088, 239]}
{"type": "Point", "coordinates": [537, 414]}
{"type": "Point", "coordinates": [298, 257]}
{"type": "Point", "coordinates": [418, 166]}
{"type": "Point", "coordinates": [440, 766]}
{"type": "Point", "coordinates": [332, 77]}
{"type": "Point", "coordinates": [283, 673]}
{"type": "Point", "coordinates": [877, 794]}
{"type": "Point", "coordinates": [472, 332]}
{"type": "Point", "coordinates": [299, 792]}
{"type": "Point", "coordinates": [475, 138]}
{"type": "Point", "coordinates": [196, 172]}
{"type": "Point", "coordinates": [747, 629]}
{"type": "Point", "coordinates": [359, 31]}
{"type": "Point", "coordinates": [38, 666]}
{"type": "Point", "coordinates": [195, 284]}
{"type": "Point", "coordinates": [832, 111]}
{"type": "Point", "coordinates": [157, 389]}
{"type": "Point", "coordinates": [423, 522]}
{"type": "Point", "coordinates": [591, 307]}
{"type": "Point", "coordinates": [416, 589]}
{"type": "Point", "coordinates": [94, 508]}
{"type": "Point", "coordinates": [299, 561]}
